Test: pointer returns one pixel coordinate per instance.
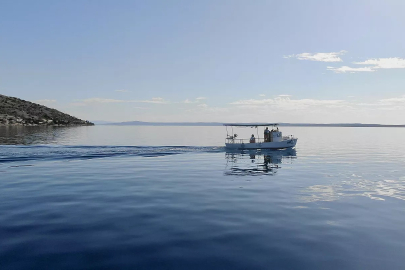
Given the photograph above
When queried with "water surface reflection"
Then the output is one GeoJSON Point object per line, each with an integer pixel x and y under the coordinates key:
{"type": "Point", "coordinates": [257, 162]}
{"type": "Point", "coordinates": [20, 135]}
{"type": "Point", "coordinates": [356, 186]}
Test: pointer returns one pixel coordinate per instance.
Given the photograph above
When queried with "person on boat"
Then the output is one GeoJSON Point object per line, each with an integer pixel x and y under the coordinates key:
{"type": "Point", "coordinates": [252, 139]}
{"type": "Point", "coordinates": [266, 135]}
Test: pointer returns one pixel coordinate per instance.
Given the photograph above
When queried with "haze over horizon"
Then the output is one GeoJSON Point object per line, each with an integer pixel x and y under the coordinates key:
{"type": "Point", "coordinates": [208, 61]}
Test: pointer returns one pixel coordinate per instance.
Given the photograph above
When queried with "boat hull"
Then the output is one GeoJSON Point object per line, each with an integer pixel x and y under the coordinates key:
{"type": "Point", "coordinates": [264, 145]}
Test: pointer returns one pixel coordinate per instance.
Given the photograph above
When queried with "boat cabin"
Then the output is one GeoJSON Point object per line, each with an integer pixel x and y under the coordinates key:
{"type": "Point", "coordinates": [271, 137]}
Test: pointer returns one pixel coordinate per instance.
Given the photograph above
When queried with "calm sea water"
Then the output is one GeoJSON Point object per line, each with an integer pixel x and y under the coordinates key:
{"type": "Point", "coordinates": [108, 197]}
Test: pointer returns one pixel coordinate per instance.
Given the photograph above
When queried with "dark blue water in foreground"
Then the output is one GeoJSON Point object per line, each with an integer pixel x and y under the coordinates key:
{"type": "Point", "coordinates": [130, 198]}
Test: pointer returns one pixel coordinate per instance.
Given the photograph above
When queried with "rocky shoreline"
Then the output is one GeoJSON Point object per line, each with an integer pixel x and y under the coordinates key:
{"type": "Point", "coordinates": [9, 120]}
{"type": "Point", "coordinates": [18, 112]}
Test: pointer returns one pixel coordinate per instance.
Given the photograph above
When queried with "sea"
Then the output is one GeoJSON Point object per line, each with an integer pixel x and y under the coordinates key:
{"type": "Point", "coordinates": [159, 197]}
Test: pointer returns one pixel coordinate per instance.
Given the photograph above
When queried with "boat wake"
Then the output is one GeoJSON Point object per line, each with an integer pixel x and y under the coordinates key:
{"type": "Point", "coordinates": [47, 152]}
{"type": "Point", "coordinates": [17, 153]}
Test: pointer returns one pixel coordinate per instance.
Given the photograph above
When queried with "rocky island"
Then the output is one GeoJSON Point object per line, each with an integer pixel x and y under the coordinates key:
{"type": "Point", "coordinates": [18, 112]}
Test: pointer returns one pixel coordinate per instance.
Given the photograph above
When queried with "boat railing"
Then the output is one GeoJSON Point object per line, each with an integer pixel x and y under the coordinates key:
{"type": "Point", "coordinates": [257, 140]}
{"type": "Point", "coordinates": [233, 140]}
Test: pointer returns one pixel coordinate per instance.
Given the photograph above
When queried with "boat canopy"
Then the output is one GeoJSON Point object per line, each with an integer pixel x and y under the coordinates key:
{"type": "Point", "coordinates": [250, 125]}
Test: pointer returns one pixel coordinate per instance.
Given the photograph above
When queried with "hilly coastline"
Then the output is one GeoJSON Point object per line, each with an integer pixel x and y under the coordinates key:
{"type": "Point", "coordinates": [18, 112]}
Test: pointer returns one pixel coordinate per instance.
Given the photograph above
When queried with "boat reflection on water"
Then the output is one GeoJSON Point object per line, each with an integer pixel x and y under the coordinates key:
{"type": "Point", "coordinates": [256, 162]}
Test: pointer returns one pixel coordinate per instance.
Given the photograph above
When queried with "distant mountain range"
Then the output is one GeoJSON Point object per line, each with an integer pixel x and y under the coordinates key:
{"type": "Point", "coordinates": [140, 123]}
{"type": "Point", "coordinates": [18, 112]}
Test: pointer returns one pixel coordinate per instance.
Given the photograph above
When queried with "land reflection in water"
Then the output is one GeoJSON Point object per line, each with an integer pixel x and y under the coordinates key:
{"type": "Point", "coordinates": [21, 135]}
{"type": "Point", "coordinates": [257, 162]}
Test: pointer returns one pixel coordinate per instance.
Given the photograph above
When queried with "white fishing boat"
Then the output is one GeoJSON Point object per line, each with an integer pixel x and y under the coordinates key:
{"type": "Point", "coordinates": [272, 138]}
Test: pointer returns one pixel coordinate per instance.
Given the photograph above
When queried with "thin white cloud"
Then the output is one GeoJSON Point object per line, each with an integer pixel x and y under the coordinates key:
{"type": "Point", "coordinates": [386, 63]}
{"type": "Point", "coordinates": [123, 91]}
{"type": "Point", "coordinates": [208, 111]}
{"type": "Point", "coordinates": [378, 63]}
{"type": "Point", "coordinates": [289, 56]}
{"type": "Point", "coordinates": [196, 100]}
{"type": "Point", "coordinates": [392, 104]}
{"type": "Point", "coordinates": [371, 64]}
{"type": "Point", "coordinates": [285, 103]}
{"type": "Point", "coordinates": [187, 101]}
{"type": "Point", "coordinates": [262, 95]}
{"type": "Point", "coordinates": [393, 101]}
{"type": "Point", "coordinates": [345, 69]}
{"type": "Point", "coordinates": [320, 57]}
{"type": "Point", "coordinates": [155, 100]}
{"type": "Point", "coordinates": [102, 100]}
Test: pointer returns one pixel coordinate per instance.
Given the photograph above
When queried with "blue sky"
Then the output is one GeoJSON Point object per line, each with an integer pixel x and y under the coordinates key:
{"type": "Point", "coordinates": [276, 61]}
